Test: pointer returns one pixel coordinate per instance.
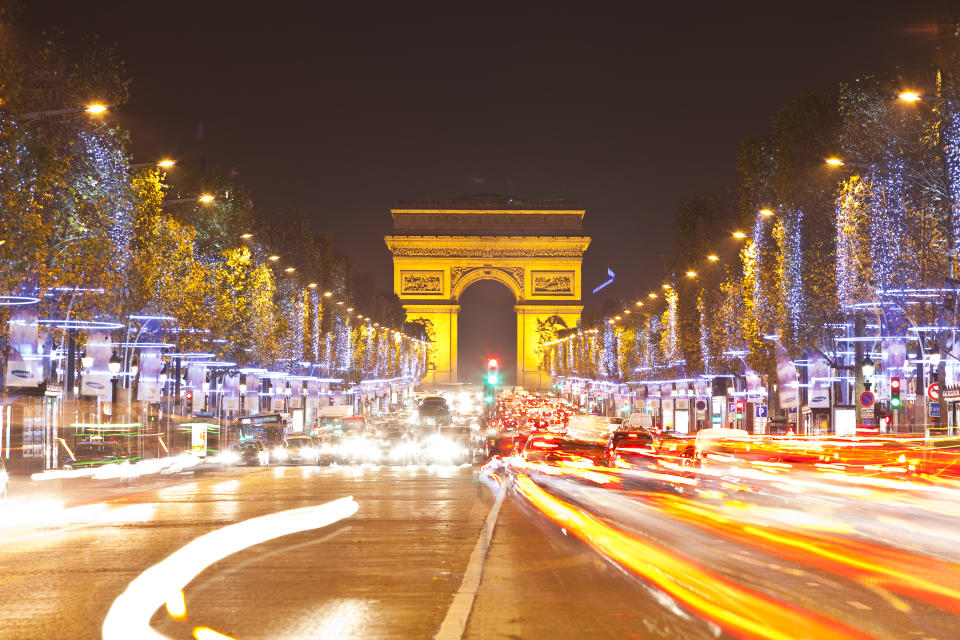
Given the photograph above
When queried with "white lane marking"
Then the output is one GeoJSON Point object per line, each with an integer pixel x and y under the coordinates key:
{"type": "Point", "coordinates": [130, 613]}
{"type": "Point", "coordinates": [455, 622]}
{"type": "Point", "coordinates": [859, 605]}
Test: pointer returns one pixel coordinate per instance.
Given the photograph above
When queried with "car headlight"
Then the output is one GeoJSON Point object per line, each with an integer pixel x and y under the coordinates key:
{"type": "Point", "coordinates": [228, 457]}
{"type": "Point", "coordinates": [441, 449]}
{"type": "Point", "coordinates": [308, 452]}
{"type": "Point", "coordinates": [280, 453]}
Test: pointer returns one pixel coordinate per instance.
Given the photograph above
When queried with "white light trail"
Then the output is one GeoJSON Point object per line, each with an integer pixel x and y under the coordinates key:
{"type": "Point", "coordinates": [130, 613]}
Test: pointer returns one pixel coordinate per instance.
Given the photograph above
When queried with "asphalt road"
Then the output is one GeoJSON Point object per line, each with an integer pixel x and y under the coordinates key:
{"type": "Point", "coordinates": [389, 571]}
{"type": "Point", "coordinates": [393, 568]}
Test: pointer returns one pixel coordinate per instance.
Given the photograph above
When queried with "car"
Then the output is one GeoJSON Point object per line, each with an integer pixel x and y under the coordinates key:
{"type": "Point", "coordinates": [94, 453]}
{"type": "Point", "coordinates": [631, 445]}
{"type": "Point", "coordinates": [247, 452]}
{"type": "Point", "coordinates": [721, 442]}
{"type": "Point", "coordinates": [552, 447]}
{"type": "Point", "coordinates": [433, 411]}
{"type": "Point", "coordinates": [4, 480]}
{"type": "Point", "coordinates": [298, 449]}
{"type": "Point", "coordinates": [677, 448]}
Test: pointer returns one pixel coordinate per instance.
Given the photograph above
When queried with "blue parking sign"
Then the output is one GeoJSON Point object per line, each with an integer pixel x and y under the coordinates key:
{"type": "Point", "coordinates": [760, 411]}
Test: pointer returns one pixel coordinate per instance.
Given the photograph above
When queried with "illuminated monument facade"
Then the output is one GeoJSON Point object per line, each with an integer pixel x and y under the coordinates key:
{"type": "Point", "coordinates": [533, 248]}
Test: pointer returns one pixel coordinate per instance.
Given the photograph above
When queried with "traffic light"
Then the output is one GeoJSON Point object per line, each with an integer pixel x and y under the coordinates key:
{"type": "Point", "coordinates": [894, 393]}
{"type": "Point", "coordinates": [886, 420]}
{"type": "Point", "coordinates": [493, 372]}
{"type": "Point", "coordinates": [188, 400]}
{"type": "Point", "coordinates": [739, 409]}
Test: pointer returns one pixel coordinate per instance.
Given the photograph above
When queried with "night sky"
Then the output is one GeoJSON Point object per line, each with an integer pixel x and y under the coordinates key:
{"type": "Point", "coordinates": [342, 110]}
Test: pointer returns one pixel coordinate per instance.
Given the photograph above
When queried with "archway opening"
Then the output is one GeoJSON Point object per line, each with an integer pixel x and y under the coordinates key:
{"type": "Point", "coordinates": [487, 328]}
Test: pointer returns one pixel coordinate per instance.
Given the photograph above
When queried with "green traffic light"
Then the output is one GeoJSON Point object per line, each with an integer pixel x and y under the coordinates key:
{"type": "Point", "coordinates": [488, 399]}
{"type": "Point", "coordinates": [492, 378]}
{"type": "Point", "coordinates": [895, 403]}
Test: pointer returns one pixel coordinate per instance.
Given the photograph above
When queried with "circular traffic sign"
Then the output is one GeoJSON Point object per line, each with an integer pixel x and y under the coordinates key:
{"type": "Point", "coordinates": [701, 405]}
{"type": "Point", "coordinates": [933, 391]}
{"type": "Point", "coordinates": [867, 398]}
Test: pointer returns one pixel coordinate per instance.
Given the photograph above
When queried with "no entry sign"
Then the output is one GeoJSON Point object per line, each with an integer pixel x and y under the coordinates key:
{"type": "Point", "coordinates": [933, 391]}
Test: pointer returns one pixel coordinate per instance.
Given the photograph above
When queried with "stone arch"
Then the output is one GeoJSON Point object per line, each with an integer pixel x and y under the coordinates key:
{"type": "Point", "coordinates": [498, 274]}
{"type": "Point", "coordinates": [534, 249]}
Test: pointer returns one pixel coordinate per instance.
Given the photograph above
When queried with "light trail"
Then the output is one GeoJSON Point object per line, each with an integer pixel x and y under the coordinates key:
{"type": "Point", "coordinates": [738, 610]}
{"type": "Point", "coordinates": [129, 615]}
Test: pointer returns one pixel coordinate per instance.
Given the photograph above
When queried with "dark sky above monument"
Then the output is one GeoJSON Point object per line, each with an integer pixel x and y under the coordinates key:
{"type": "Point", "coordinates": [342, 109]}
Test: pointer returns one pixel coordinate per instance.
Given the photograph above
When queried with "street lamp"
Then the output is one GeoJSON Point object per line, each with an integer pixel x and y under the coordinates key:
{"type": "Point", "coordinates": [867, 369]}
{"type": "Point", "coordinates": [739, 235]}
{"type": "Point", "coordinates": [166, 163]}
{"type": "Point", "coordinates": [93, 109]}
{"type": "Point", "coordinates": [766, 213]}
{"type": "Point", "coordinates": [206, 198]}
{"type": "Point", "coordinates": [833, 161]}
{"type": "Point", "coordinates": [691, 274]}
{"type": "Point", "coordinates": [713, 257]}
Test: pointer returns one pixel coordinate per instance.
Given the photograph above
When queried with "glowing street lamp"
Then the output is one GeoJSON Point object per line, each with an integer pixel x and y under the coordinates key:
{"type": "Point", "coordinates": [205, 198]}
{"type": "Point", "coordinates": [665, 285]}
{"type": "Point", "coordinates": [713, 257]}
{"type": "Point", "coordinates": [740, 235]}
{"type": "Point", "coordinates": [273, 258]}
{"type": "Point", "coordinates": [290, 269]}
{"type": "Point", "coordinates": [95, 109]}
{"type": "Point", "coordinates": [246, 236]}
{"type": "Point", "coordinates": [691, 274]}
{"type": "Point", "coordinates": [328, 294]}
{"type": "Point", "coordinates": [910, 96]}
{"type": "Point", "coordinates": [166, 163]}
{"type": "Point", "coordinates": [833, 161]}
{"type": "Point", "coordinates": [766, 213]}
{"type": "Point", "coordinates": [312, 285]}
{"type": "Point", "coordinates": [639, 303]}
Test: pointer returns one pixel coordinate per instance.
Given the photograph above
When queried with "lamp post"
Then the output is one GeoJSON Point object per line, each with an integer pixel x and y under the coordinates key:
{"type": "Point", "coordinates": [935, 361]}
{"type": "Point", "coordinates": [867, 368]}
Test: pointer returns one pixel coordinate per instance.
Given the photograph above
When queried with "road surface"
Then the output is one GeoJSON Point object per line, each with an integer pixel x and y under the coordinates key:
{"type": "Point", "coordinates": [394, 568]}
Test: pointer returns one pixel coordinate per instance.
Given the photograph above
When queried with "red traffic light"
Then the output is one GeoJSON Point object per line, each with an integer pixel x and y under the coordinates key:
{"type": "Point", "coordinates": [895, 384]}
{"type": "Point", "coordinates": [886, 419]}
{"type": "Point", "coordinates": [492, 363]}
{"type": "Point", "coordinates": [188, 395]}
{"type": "Point", "coordinates": [739, 406]}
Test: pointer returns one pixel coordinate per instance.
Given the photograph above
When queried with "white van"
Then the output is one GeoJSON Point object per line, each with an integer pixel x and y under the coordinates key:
{"type": "Point", "coordinates": [640, 421]}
